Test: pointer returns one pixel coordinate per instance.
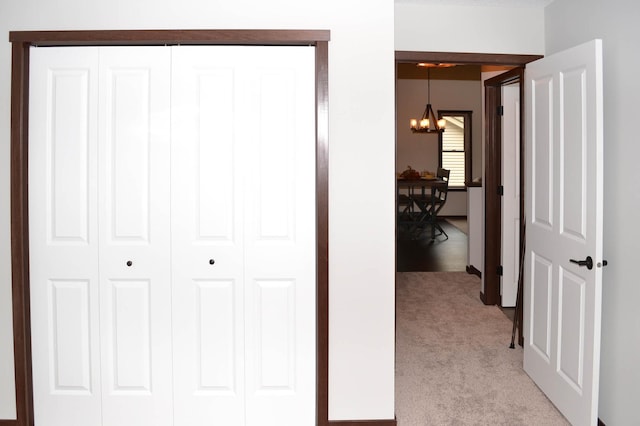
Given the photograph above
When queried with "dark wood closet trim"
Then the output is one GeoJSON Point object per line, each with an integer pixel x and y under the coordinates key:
{"type": "Point", "coordinates": [21, 41]}
{"type": "Point", "coordinates": [20, 236]}
{"type": "Point", "coordinates": [322, 233]}
{"type": "Point", "coordinates": [160, 37]}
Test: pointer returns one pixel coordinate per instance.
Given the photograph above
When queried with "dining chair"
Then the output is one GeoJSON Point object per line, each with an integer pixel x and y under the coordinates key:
{"type": "Point", "coordinates": [431, 203]}
{"type": "Point", "coordinates": [405, 214]}
{"type": "Point", "coordinates": [440, 198]}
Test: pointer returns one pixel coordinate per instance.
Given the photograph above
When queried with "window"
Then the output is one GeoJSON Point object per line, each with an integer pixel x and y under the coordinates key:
{"type": "Point", "coordinates": [455, 146]}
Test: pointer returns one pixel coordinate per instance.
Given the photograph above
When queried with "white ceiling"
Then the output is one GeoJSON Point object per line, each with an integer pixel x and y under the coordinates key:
{"type": "Point", "coordinates": [495, 3]}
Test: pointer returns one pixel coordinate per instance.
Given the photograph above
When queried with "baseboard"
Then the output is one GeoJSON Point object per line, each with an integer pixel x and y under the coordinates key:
{"type": "Point", "coordinates": [392, 422]}
{"type": "Point", "coordinates": [601, 423]}
{"type": "Point", "coordinates": [483, 298]}
{"type": "Point", "coordinates": [474, 271]}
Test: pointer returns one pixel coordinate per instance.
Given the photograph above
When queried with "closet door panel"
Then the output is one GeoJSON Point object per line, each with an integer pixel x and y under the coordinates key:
{"type": "Point", "coordinates": [129, 328]}
{"type": "Point", "coordinates": [173, 229]}
{"type": "Point", "coordinates": [275, 319]}
{"type": "Point", "coordinates": [134, 203]}
{"type": "Point", "coordinates": [63, 236]}
{"type": "Point", "coordinates": [280, 273]}
{"type": "Point", "coordinates": [128, 155]}
{"type": "Point", "coordinates": [215, 325]}
{"type": "Point", "coordinates": [207, 234]}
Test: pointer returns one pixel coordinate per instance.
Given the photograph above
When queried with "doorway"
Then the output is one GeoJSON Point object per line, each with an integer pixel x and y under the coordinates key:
{"type": "Point", "coordinates": [490, 291]}
{"type": "Point", "coordinates": [451, 152]}
{"type": "Point", "coordinates": [491, 174]}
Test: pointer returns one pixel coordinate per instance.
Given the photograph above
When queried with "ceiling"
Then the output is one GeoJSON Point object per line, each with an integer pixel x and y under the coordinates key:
{"type": "Point", "coordinates": [498, 3]}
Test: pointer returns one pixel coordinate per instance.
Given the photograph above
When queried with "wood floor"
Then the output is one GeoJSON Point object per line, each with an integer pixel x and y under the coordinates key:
{"type": "Point", "coordinates": [421, 254]}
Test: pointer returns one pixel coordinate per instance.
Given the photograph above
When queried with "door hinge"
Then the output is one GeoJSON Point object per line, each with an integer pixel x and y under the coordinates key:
{"type": "Point", "coordinates": [500, 110]}
{"type": "Point", "coordinates": [499, 271]}
{"type": "Point", "coordinates": [500, 190]}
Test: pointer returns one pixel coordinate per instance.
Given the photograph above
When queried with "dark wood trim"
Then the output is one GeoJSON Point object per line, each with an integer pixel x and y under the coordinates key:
{"type": "Point", "coordinates": [20, 232]}
{"type": "Point", "coordinates": [22, 40]}
{"type": "Point", "coordinates": [472, 270]}
{"type": "Point", "coordinates": [600, 422]}
{"type": "Point", "coordinates": [512, 76]}
{"type": "Point", "coordinates": [492, 179]}
{"type": "Point", "coordinates": [161, 37]}
{"type": "Point", "coordinates": [322, 231]}
{"type": "Point", "coordinates": [466, 58]}
{"type": "Point", "coordinates": [473, 184]}
{"type": "Point", "coordinates": [523, 235]}
{"type": "Point", "coordinates": [392, 422]}
{"type": "Point", "coordinates": [493, 162]}
{"type": "Point", "coordinates": [483, 299]}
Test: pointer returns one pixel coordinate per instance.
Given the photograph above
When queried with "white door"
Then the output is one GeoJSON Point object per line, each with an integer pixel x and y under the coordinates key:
{"type": "Point", "coordinates": [63, 237]}
{"type": "Point", "coordinates": [244, 276]}
{"type": "Point", "coordinates": [562, 300]}
{"type": "Point", "coordinates": [172, 215]}
{"type": "Point", "coordinates": [101, 354]}
{"type": "Point", "coordinates": [510, 259]}
{"type": "Point", "coordinates": [134, 234]}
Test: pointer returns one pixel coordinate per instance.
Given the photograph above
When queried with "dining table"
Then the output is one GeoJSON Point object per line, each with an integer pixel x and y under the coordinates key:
{"type": "Point", "coordinates": [417, 198]}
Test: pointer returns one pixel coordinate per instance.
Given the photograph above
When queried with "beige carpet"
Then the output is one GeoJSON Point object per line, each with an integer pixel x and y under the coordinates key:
{"type": "Point", "coordinates": [453, 362]}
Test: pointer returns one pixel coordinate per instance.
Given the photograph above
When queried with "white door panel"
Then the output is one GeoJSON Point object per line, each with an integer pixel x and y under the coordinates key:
{"type": "Point", "coordinates": [280, 247]}
{"type": "Point", "coordinates": [173, 208]}
{"type": "Point", "coordinates": [135, 248]}
{"type": "Point", "coordinates": [63, 239]}
{"type": "Point", "coordinates": [207, 218]}
{"type": "Point", "coordinates": [510, 259]}
{"type": "Point", "coordinates": [246, 174]}
{"type": "Point", "coordinates": [564, 214]}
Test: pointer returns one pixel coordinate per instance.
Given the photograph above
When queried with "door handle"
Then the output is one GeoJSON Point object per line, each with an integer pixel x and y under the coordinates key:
{"type": "Point", "coordinates": [588, 262]}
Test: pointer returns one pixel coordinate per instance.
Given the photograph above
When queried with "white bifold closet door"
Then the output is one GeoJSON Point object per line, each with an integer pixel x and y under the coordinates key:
{"type": "Point", "coordinates": [172, 235]}
{"type": "Point", "coordinates": [244, 200]}
{"type": "Point", "coordinates": [98, 178]}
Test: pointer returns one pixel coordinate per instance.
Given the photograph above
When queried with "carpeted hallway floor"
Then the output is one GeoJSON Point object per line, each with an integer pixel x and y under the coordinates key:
{"type": "Point", "coordinates": [453, 362]}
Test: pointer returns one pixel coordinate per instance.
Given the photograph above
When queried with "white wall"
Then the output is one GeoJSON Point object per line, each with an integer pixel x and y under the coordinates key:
{"type": "Point", "coordinates": [361, 117]}
{"type": "Point", "coordinates": [569, 23]}
{"type": "Point", "coordinates": [454, 28]}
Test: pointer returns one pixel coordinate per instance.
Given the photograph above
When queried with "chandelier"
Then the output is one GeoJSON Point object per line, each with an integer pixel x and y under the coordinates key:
{"type": "Point", "coordinates": [427, 123]}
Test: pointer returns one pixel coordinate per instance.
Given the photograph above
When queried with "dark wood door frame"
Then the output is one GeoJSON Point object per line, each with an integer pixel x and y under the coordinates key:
{"type": "Point", "coordinates": [493, 182]}
{"type": "Point", "coordinates": [21, 42]}
{"type": "Point", "coordinates": [492, 159]}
